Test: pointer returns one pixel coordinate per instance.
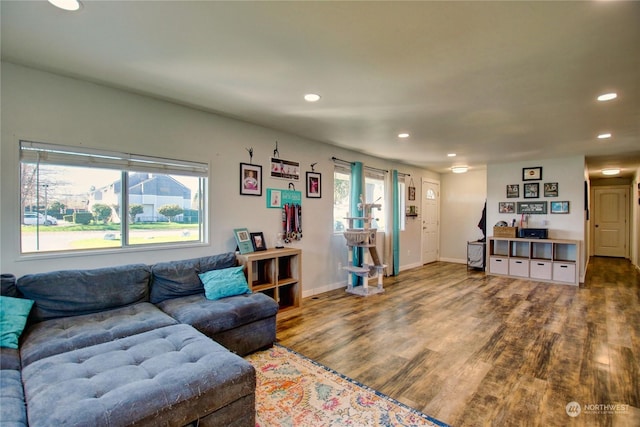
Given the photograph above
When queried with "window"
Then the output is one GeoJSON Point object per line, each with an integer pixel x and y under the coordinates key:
{"type": "Point", "coordinates": [77, 199]}
{"type": "Point", "coordinates": [402, 206]}
{"type": "Point", "coordinates": [374, 188]}
{"type": "Point", "coordinates": [341, 200]}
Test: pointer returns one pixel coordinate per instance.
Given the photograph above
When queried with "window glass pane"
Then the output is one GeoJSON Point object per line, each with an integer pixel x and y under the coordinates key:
{"type": "Point", "coordinates": [77, 216]}
{"type": "Point", "coordinates": [341, 191]}
{"type": "Point", "coordinates": [402, 204]}
{"type": "Point", "coordinates": [375, 194]}
{"type": "Point", "coordinates": [163, 208]}
{"type": "Point", "coordinates": [67, 207]}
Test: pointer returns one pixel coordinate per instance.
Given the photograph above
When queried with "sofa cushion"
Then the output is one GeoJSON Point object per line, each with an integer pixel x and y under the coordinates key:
{"type": "Point", "coordinates": [8, 286]}
{"type": "Point", "coordinates": [175, 279]}
{"type": "Point", "coordinates": [13, 317]}
{"type": "Point", "coordinates": [213, 316]}
{"type": "Point", "coordinates": [168, 376]}
{"type": "Point", "coordinates": [57, 336]}
{"type": "Point", "coordinates": [225, 282]}
{"type": "Point", "coordinates": [76, 292]}
{"type": "Point", "coordinates": [12, 407]}
{"type": "Point", "coordinates": [217, 262]}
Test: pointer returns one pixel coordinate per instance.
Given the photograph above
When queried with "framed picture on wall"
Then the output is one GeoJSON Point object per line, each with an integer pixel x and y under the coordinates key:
{"type": "Point", "coordinates": [314, 185]}
{"type": "Point", "coordinates": [250, 179]}
{"type": "Point", "coordinates": [532, 190]}
{"type": "Point", "coordinates": [532, 174]}
{"type": "Point", "coordinates": [559, 207]}
{"type": "Point", "coordinates": [513, 191]}
{"type": "Point", "coordinates": [550, 189]}
{"type": "Point", "coordinates": [506, 207]}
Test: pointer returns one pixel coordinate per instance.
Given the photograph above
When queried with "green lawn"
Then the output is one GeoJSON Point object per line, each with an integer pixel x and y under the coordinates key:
{"type": "Point", "coordinates": [110, 227]}
{"type": "Point", "coordinates": [99, 243]}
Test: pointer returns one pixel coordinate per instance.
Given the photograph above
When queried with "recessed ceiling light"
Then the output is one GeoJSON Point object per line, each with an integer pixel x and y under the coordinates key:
{"type": "Point", "coordinates": [403, 135]}
{"type": "Point", "coordinates": [459, 169]}
{"type": "Point", "coordinates": [607, 96]}
{"type": "Point", "coordinates": [312, 97]}
{"type": "Point", "coordinates": [451, 155]}
{"type": "Point", "coordinates": [610, 171]}
{"type": "Point", "coordinates": [604, 136]}
{"type": "Point", "coordinates": [70, 5]}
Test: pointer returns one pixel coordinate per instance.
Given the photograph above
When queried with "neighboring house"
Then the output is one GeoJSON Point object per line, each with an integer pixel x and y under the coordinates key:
{"type": "Point", "coordinates": [149, 190]}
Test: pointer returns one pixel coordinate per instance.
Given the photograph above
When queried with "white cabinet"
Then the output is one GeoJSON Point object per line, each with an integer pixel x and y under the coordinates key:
{"type": "Point", "coordinates": [538, 259]}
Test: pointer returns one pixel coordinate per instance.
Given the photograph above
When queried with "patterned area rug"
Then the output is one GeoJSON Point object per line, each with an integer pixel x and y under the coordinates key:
{"type": "Point", "coordinates": [293, 390]}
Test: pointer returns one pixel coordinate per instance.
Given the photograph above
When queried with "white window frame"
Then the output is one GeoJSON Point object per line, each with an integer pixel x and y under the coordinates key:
{"type": "Point", "coordinates": [38, 153]}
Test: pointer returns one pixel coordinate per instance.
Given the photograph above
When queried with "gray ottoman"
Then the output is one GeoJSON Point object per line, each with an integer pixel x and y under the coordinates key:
{"type": "Point", "coordinates": [169, 376]}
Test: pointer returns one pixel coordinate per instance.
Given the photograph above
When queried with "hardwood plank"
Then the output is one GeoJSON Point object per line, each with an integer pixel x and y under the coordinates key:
{"type": "Point", "coordinates": [477, 350]}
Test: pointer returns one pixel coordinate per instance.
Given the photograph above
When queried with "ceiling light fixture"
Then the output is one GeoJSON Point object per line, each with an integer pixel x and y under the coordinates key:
{"type": "Point", "coordinates": [611, 171]}
{"type": "Point", "coordinates": [607, 96]}
{"type": "Point", "coordinates": [451, 155]}
{"type": "Point", "coordinates": [403, 135]}
{"type": "Point", "coordinates": [70, 5]}
{"type": "Point", "coordinates": [604, 136]}
{"type": "Point", "coordinates": [459, 169]}
{"type": "Point", "coordinates": [312, 97]}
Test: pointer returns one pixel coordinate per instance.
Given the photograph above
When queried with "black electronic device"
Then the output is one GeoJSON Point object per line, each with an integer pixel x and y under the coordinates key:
{"type": "Point", "coordinates": [533, 233]}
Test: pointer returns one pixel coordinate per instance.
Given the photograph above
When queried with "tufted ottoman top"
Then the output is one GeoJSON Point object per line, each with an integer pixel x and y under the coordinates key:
{"type": "Point", "coordinates": [167, 376]}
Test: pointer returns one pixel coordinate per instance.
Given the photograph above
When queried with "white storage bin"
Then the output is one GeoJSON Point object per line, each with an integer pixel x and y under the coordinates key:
{"type": "Point", "coordinates": [498, 265]}
{"type": "Point", "coordinates": [540, 270]}
{"type": "Point", "coordinates": [519, 267]}
{"type": "Point", "coordinates": [564, 272]}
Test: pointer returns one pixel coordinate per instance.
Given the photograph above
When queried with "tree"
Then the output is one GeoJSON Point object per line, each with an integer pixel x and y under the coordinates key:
{"type": "Point", "coordinates": [101, 212]}
{"type": "Point", "coordinates": [135, 210]}
{"type": "Point", "coordinates": [56, 208]}
{"type": "Point", "coordinates": [170, 211]}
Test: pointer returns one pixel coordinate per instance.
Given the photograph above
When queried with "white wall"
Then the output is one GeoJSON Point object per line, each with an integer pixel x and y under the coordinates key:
{"type": "Point", "coordinates": [44, 107]}
{"type": "Point", "coordinates": [568, 172]}
{"type": "Point", "coordinates": [463, 197]}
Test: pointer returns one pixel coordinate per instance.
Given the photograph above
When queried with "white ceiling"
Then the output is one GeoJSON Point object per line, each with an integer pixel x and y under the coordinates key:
{"type": "Point", "coordinates": [491, 81]}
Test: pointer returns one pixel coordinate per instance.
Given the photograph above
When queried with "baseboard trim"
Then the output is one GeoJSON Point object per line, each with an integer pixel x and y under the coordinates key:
{"type": "Point", "coordinates": [454, 260]}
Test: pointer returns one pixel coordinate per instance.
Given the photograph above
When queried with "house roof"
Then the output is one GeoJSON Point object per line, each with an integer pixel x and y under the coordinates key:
{"type": "Point", "coordinates": [492, 82]}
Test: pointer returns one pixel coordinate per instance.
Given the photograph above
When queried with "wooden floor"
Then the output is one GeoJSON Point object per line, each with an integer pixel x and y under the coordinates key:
{"type": "Point", "coordinates": [474, 350]}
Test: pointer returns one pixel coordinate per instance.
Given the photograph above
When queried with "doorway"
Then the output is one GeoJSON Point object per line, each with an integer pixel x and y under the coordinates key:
{"type": "Point", "coordinates": [611, 221]}
{"type": "Point", "coordinates": [430, 220]}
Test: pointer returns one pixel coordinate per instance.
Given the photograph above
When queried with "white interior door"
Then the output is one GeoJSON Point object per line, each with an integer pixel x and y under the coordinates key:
{"type": "Point", "coordinates": [430, 220]}
{"type": "Point", "coordinates": [610, 221]}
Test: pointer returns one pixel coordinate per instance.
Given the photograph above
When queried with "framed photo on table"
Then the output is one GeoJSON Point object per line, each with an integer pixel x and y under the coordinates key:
{"type": "Point", "coordinates": [258, 242]}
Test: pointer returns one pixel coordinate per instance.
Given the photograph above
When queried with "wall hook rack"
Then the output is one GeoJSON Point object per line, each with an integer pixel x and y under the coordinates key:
{"type": "Point", "coordinates": [313, 166]}
{"type": "Point", "coordinates": [276, 153]}
{"type": "Point", "coordinates": [250, 150]}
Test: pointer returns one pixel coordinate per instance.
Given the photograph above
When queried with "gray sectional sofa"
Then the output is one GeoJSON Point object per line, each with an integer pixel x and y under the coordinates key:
{"type": "Point", "coordinates": [134, 345]}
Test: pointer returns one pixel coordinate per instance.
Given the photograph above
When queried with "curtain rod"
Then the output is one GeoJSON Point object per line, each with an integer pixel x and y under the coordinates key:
{"type": "Point", "coordinates": [404, 174]}
{"type": "Point", "coordinates": [335, 159]}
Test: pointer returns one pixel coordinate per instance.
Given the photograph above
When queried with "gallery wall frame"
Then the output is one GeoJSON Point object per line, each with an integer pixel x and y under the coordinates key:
{"type": "Point", "coordinates": [314, 185]}
{"type": "Point", "coordinates": [513, 191]}
{"type": "Point", "coordinates": [250, 179]}
{"type": "Point", "coordinates": [532, 208]}
{"type": "Point", "coordinates": [531, 190]}
{"type": "Point", "coordinates": [532, 174]}
{"type": "Point", "coordinates": [560, 207]}
{"type": "Point", "coordinates": [506, 207]}
{"type": "Point", "coordinates": [550, 189]}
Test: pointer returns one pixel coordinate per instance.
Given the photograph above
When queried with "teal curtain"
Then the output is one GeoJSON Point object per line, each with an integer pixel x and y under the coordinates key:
{"type": "Point", "coordinates": [396, 223]}
{"type": "Point", "coordinates": [357, 180]}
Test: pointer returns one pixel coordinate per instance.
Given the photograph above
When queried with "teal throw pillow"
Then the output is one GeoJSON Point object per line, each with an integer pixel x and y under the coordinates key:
{"type": "Point", "coordinates": [225, 282]}
{"type": "Point", "coordinates": [13, 318]}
